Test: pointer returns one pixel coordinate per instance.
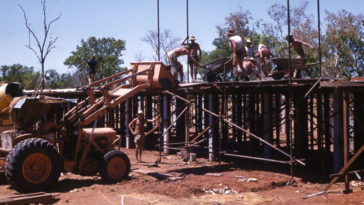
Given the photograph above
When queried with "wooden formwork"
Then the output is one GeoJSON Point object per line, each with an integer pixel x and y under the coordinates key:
{"type": "Point", "coordinates": [326, 127]}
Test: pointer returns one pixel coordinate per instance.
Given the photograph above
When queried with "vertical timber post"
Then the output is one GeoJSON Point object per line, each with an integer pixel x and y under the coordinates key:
{"type": "Point", "coordinates": [180, 124]}
{"type": "Point", "coordinates": [267, 126]}
{"type": "Point", "coordinates": [212, 103]}
{"type": "Point", "coordinates": [238, 117]}
{"type": "Point", "coordinates": [358, 123]}
{"type": "Point", "coordinates": [345, 108]}
{"type": "Point", "coordinates": [127, 121]}
{"type": "Point", "coordinates": [300, 125]}
{"type": "Point", "coordinates": [278, 118]}
{"type": "Point", "coordinates": [327, 122]}
{"type": "Point", "coordinates": [166, 123]}
{"type": "Point", "coordinates": [338, 132]}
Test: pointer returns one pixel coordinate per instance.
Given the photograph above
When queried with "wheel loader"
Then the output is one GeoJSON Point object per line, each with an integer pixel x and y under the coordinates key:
{"type": "Point", "coordinates": [41, 146]}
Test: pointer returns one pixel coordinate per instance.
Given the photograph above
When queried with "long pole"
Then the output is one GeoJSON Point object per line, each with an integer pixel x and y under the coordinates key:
{"type": "Point", "coordinates": [159, 46]}
{"type": "Point", "coordinates": [289, 89]}
{"type": "Point", "coordinates": [187, 32]}
{"type": "Point", "coordinates": [319, 35]}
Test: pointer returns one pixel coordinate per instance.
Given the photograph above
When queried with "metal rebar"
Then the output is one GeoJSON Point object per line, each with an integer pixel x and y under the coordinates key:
{"type": "Point", "coordinates": [313, 87]}
{"type": "Point", "coordinates": [258, 158]}
{"type": "Point", "coordinates": [187, 32]}
{"type": "Point", "coordinates": [158, 33]}
{"type": "Point", "coordinates": [177, 96]}
{"type": "Point", "coordinates": [319, 36]}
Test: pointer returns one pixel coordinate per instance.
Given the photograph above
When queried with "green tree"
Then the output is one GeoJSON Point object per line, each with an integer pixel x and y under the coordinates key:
{"type": "Point", "coordinates": [240, 22]}
{"type": "Point", "coordinates": [19, 73]}
{"type": "Point", "coordinates": [344, 50]}
{"type": "Point", "coordinates": [108, 52]}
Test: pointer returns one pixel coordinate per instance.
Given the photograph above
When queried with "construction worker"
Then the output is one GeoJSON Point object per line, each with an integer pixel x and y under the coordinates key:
{"type": "Point", "coordinates": [297, 46]}
{"type": "Point", "coordinates": [173, 61]}
{"type": "Point", "coordinates": [139, 134]}
{"type": "Point", "coordinates": [249, 68]}
{"type": "Point", "coordinates": [193, 57]}
{"type": "Point", "coordinates": [236, 43]}
{"type": "Point", "coordinates": [91, 67]}
{"type": "Point", "coordinates": [176, 65]}
{"type": "Point", "coordinates": [264, 61]}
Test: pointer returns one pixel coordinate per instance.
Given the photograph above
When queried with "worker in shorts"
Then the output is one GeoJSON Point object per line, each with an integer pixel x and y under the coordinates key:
{"type": "Point", "coordinates": [236, 44]}
{"type": "Point", "coordinates": [91, 67]}
{"type": "Point", "coordinates": [194, 56]}
{"type": "Point", "coordinates": [139, 134]}
{"type": "Point", "coordinates": [264, 61]}
{"type": "Point", "coordinates": [249, 68]}
{"type": "Point", "coordinates": [173, 61]}
{"type": "Point", "coordinates": [298, 47]}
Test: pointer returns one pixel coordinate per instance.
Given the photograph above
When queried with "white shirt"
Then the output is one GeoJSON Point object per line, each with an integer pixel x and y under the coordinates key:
{"type": "Point", "coordinates": [238, 41]}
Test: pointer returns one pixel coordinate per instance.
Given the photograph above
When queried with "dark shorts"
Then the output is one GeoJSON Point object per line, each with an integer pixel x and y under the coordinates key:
{"type": "Point", "coordinates": [240, 53]}
{"type": "Point", "coordinates": [91, 71]}
{"type": "Point", "coordinates": [139, 140]}
{"type": "Point", "coordinates": [194, 57]}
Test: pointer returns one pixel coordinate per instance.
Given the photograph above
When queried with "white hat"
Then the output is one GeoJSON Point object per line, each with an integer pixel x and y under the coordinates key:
{"type": "Point", "coordinates": [248, 41]}
{"type": "Point", "coordinates": [192, 38]}
{"type": "Point", "coordinates": [261, 46]}
{"type": "Point", "coordinates": [140, 112]}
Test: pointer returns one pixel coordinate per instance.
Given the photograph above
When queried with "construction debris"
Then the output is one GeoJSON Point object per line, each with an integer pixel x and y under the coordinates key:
{"type": "Point", "coordinates": [224, 191]}
{"type": "Point", "coordinates": [39, 197]}
{"type": "Point", "coordinates": [213, 174]}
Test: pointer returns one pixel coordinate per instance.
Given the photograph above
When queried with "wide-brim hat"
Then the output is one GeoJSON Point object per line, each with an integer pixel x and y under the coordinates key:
{"type": "Point", "coordinates": [230, 32]}
{"type": "Point", "coordinates": [192, 38]}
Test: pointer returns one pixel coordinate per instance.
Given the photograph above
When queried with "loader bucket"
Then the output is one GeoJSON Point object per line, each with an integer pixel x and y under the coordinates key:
{"type": "Point", "coordinates": [161, 78]}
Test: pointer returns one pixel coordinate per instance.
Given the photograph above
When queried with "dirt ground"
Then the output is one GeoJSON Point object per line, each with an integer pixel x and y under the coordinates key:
{"type": "Point", "coordinates": [198, 182]}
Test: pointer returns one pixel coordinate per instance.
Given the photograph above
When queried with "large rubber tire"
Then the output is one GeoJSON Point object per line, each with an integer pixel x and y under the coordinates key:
{"type": "Point", "coordinates": [33, 165]}
{"type": "Point", "coordinates": [114, 167]}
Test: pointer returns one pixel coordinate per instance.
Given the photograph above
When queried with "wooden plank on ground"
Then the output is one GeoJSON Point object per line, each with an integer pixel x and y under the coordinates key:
{"type": "Point", "coordinates": [39, 197]}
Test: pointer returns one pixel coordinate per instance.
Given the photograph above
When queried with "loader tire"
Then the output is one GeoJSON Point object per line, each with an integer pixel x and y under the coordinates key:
{"type": "Point", "coordinates": [114, 167]}
{"type": "Point", "coordinates": [33, 165]}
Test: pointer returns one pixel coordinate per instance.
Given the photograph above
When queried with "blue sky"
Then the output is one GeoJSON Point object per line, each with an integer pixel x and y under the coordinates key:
{"type": "Point", "coordinates": [128, 20]}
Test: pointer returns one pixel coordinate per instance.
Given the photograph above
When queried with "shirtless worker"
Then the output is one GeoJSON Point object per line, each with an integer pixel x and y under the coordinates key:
{"type": "Point", "coordinates": [249, 66]}
{"type": "Point", "coordinates": [139, 134]}
{"type": "Point", "coordinates": [176, 65]}
{"type": "Point", "coordinates": [193, 57]}
{"type": "Point", "coordinates": [297, 46]}
{"type": "Point", "coordinates": [264, 62]}
{"type": "Point", "coordinates": [236, 43]}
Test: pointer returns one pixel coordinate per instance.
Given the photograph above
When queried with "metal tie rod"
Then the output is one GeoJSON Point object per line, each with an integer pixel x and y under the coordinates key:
{"type": "Point", "coordinates": [177, 96]}
{"type": "Point", "coordinates": [257, 158]}
{"type": "Point", "coordinates": [313, 87]}
{"type": "Point", "coordinates": [255, 136]}
{"type": "Point", "coordinates": [184, 110]}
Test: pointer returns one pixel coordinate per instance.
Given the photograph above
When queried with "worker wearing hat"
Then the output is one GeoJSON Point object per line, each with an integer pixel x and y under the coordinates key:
{"type": "Point", "coordinates": [194, 56]}
{"type": "Point", "coordinates": [237, 45]}
{"type": "Point", "coordinates": [139, 134]}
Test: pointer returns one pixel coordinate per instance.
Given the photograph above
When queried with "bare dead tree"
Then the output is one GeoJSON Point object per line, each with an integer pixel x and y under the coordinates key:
{"type": "Point", "coordinates": [167, 43]}
{"type": "Point", "coordinates": [138, 56]}
{"type": "Point", "coordinates": [47, 44]}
